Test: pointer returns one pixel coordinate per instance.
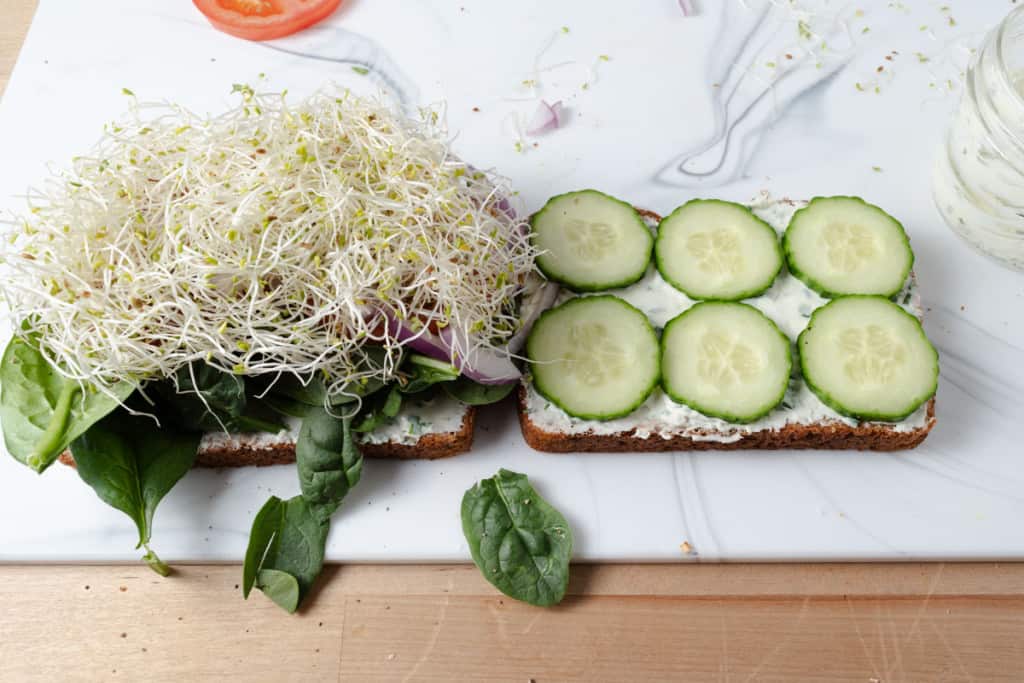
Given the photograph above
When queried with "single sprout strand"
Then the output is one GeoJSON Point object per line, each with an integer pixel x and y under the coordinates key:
{"type": "Point", "coordinates": [275, 238]}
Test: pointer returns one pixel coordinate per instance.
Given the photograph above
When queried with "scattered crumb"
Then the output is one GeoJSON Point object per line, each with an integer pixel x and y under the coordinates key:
{"type": "Point", "coordinates": [236, 586]}
{"type": "Point", "coordinates": [86, 586]}
{"type": "Point", "coordinates": [963, 307]}
{"type": "Point", "coordinates": [476, 109]}
{"type": "Point", "coordinates": [391, 656]}
{"type": "Point", "coordinates": [125, 588]}
{"type": "Point", "coordinates": [687, 548]}
{"type": "Point", "coordinates": [124, 635]}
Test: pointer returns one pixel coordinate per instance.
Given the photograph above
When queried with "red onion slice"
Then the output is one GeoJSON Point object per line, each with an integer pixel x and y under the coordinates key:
{"type": "Point", "coordinates": [482, 364]}
{"type": "Point", "coordinates": [533, 304]}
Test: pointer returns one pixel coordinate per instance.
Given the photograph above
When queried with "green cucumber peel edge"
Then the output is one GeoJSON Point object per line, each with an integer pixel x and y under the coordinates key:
{"type": "Point", "coordinates": [821, 289]}
{"type": "Point", "coordinates": [827, 399]}
{"type": "Point", "coordinates": [730, 418]}
{"type": "Point", "coordinates": [538, 385]}
{"type": "Point", "coordinates": [743, 295]}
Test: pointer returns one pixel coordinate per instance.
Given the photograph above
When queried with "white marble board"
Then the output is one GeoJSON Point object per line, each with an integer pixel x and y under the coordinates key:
{"type": "Point", "coordinates": [794, 129]}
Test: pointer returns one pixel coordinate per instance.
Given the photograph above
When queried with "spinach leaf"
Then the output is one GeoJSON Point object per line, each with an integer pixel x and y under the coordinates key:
{"type": "Point", "coordinates": [420, 373]}
{"type": "Point", "coordinates": [41, 411]}
{"type": "Point", "coordinates": [131, 464]}
{"type": "Point", "coordinates": [210, 400]}
{"type": "Point", "coordinates": [313, 390]}
{"type": "Point", "coordinates": [286, 538]}
{"type": "Point", "coordinates": [520, 543]}
{"type": "Point", "coordinates": [476, 394]}
{"type": "Point", "coordinates": [284, 405]}
{"type": "Point", "coordinates": [281, 587]}
{"type": "Point", "coordinates": [328, 461]}
{"type": "Point", "coordinates": [380, 410]}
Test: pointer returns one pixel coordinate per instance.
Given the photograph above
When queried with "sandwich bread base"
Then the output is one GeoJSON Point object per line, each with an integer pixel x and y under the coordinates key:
{"type": "Point", "coordinates": [244, 450]}
{"type": "Point", "coordinates": [868, 436]}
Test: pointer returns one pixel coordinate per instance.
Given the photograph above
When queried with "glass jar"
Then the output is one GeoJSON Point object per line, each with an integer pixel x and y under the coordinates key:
{"type": "Point", "coordinates": [978, 178]}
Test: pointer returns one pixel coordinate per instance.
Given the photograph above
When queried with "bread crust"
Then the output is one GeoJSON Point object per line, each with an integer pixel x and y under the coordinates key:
{"type": "Point", "coordinates": [245, 454]}
{"type": "Point", "coordinates": [835, 435]}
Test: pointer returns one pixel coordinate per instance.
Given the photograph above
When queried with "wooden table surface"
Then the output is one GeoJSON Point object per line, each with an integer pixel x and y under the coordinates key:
{"type": "Point", "coordinates": [854, 622]}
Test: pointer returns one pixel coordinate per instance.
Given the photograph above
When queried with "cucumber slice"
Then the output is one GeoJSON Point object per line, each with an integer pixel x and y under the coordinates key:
{"type": "Point", "coordinates": [726, 360]}
{"type": "Point", "coordinates": [843, 245]}
{"type": "Point", "coordinates": [594, 357]}
{"type": "Point", "coordinates": [590, 241]}
{"type": "Point", "coordinates": [867, 358]}
{"type": "Point", "coordinates": [710, 249]}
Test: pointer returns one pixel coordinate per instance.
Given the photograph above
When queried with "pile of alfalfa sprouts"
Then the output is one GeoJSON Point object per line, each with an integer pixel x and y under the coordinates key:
{"type": "Point", "coordinates": [275, 238]}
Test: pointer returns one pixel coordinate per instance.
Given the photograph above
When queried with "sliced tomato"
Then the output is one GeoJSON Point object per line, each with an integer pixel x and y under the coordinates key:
{"type": "Point", "coordinates": [264, 19]}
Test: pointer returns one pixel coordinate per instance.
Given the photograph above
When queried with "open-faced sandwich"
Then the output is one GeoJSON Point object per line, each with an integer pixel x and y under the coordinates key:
{"type": "Point", "coordinates": [779, 325]}
{"type": "Point", "coordinates": [284, 282]}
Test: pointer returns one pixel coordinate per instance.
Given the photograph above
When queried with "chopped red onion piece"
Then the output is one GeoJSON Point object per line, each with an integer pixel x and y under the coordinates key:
{"type": "Point", "coordinates": [547, 117]}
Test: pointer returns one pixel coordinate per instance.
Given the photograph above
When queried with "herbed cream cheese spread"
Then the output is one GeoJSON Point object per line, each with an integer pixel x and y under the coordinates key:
{"type": "Point", "coordinates": [437, 415]}
{"type": "Point", "coordinates": [789, 302]}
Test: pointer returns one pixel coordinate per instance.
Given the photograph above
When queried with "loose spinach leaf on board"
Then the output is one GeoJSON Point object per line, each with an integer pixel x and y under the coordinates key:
{"type": "Point", "coordinates": [281, 587]}
{"type": "Point", "coordinates": [286, 538]}
{"type": "Point", "coordinates": [520, 543]}
{"type": "Point", "coordinates": [131, 464]}
{"type": "Point", "coordinates": [328, 461]}
{"type": "Point", "coordinates": [476, 394]}
{"type": "Point", "coordinates": [41, 411]}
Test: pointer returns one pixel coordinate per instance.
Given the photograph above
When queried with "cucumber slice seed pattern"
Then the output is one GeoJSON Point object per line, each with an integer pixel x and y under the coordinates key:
{"type": "Point", "coordinates": [724, 359]}
{"type": "Point", "coordinates": [717, 252]}
{"type": "Point", "coordinates": [590, 241]}
{"type": "Point", "coordinates": [594, 357]}
{"type": "Point", "coordinates": [848, 246]}
{"type": "Point", "coordinates": [871, 355]}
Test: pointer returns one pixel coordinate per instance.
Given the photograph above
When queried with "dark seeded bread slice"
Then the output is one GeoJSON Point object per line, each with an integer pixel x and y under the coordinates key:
{"type": "Point", "coordinates": [831, 435]}
{"type": "Point", "coordinates": [825, 435]}
{"type": "Point", "coordinates": [245, 450]}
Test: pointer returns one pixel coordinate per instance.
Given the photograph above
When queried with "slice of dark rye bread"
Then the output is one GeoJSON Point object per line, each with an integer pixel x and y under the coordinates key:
{"type": "Point", "coordinates": [243, 450]}
{"type": "Point", "coordinates": [826, 435]}
{"type": "Point", "coordinates": [870, 436]}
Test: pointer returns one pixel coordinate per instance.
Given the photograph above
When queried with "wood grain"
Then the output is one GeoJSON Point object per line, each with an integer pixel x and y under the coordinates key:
{"type": "Point", "coordinates": [915, 622]}
{"type": "Point", "coordinates": [657, 622]}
